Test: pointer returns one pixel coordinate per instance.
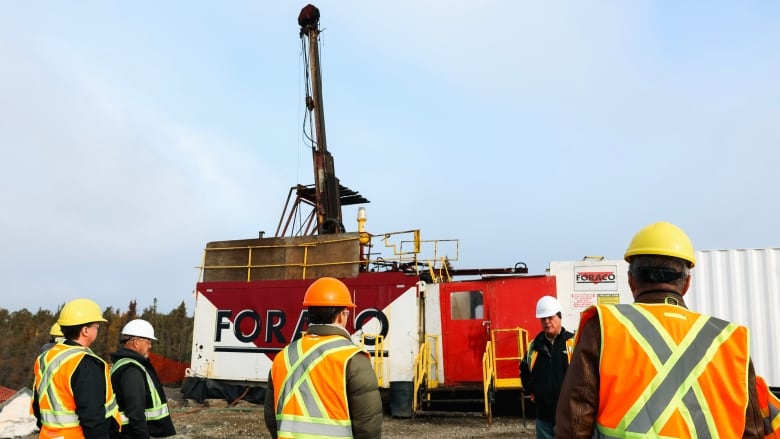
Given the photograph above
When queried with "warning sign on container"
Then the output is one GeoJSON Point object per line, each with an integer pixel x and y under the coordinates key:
{"type": "Point", "coordinates": [608, 299]}
{"type": "Point", "coordinates": [580, 301]}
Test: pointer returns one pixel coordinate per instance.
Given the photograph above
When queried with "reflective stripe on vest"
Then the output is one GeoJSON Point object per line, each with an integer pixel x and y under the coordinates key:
{"type": "Point", "coordinates": [770, 408]}
{"type": "Point", "coordinates": [570, 348]}
{"type": "Point", "coordinates": [669, 385]}
{"type": "Point", "coordinates": [56, 414]}
{"type": "Point", "coordinates": [533, 354]}
{"type": "Point", "coordinates": [159, 409]}
{"type": "Point", "coordinates": [298, 389]}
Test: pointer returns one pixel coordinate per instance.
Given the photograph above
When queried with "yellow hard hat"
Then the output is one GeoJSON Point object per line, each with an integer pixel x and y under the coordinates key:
{"type": "Point", "coordinates": [328, 291]}
{"type": "Point", "coordinates": [662, 238]}
{"type": "Point", "coordinates": [55, 330]}
{"type": "Point", "coordinates": [80, 311]}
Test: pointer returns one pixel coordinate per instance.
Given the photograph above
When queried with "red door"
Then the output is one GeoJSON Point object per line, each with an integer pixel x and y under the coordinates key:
{"type": "Point", "coordinates": [464, 331]}
{"type": "Point", "coordinates": [512, 304]}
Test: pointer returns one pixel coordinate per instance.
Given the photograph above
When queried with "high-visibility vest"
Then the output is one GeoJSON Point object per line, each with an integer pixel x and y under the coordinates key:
{"type": "Point", "coordinates": [666, 371]}
{"type": "Point", "coordinates": [532, 354]}
{"type": "Point", "coordinates": [53, 370]}
{"type": "Point", "coordinates": [309, 377]}
{"type": "Point", "coordinates": [770, 409]}
{"type": "Point", "coordinates": [159, 408]}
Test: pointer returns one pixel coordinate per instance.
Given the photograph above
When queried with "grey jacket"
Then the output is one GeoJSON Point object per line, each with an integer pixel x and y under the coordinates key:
{"type": "Point", "coordinates": [363, 399]}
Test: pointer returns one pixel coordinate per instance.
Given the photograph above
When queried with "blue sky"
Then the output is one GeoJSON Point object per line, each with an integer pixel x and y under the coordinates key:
{"type": "Point", "coordinates": [134, 133]}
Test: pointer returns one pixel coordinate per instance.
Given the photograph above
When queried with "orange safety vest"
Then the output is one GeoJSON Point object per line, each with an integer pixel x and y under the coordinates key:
{"type": "Point", "coordinates": [53, 371]}
{"type": "Point", "coordinates": [310, 391]}
{"type": "Point", "coordinates": [770, 409]}
{"type": "Point", "coordinates": [666, 371]}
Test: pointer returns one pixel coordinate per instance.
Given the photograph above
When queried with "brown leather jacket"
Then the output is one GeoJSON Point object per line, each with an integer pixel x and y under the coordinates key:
{"type": "Point", "coordinates": [579, 400]}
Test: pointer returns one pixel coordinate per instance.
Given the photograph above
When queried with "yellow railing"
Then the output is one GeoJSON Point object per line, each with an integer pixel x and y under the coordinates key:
{"type": "Point", "coordinates": [522, 347]}
{"type": "Point", "coordinates": [302, 263]}
{"type": "Point", "coordinates": [394, 241]}
{"type": "Point", "coordinates": [490, 380]}
{"type": "Point", "coordinates": [439, 270]}
{"type": "Point", "coordinates": [488, 377]}
{"type": "Point", "coordinates": [378, 357]}
{"type": "Point", "coordinates": [426, 369]}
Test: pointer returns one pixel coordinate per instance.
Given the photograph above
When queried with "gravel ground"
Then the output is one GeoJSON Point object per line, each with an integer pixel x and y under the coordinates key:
{"type": "Point", "coordinates": [243, 421]}
{"type": "Point", "coordinates": [216, 420]}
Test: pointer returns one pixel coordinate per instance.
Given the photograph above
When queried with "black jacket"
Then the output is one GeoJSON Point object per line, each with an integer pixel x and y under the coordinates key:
{"type": "Point", "coordinates": [133, 396]}
{"type": "Point", "coordinates": [545, 380]}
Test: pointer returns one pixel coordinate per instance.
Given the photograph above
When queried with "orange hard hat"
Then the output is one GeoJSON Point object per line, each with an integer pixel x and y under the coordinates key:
{"type": "Point", "coordinates": [328, 291]}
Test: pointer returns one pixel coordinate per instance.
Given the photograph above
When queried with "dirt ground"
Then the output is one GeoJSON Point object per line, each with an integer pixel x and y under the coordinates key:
{"type": "Point", "coordinates": [246, 420]}
{"type": "Point", "coordinates": [216, 420]}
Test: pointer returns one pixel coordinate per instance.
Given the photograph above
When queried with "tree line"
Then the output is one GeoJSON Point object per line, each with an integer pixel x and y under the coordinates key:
{"type": "Point", "coordinates": [25, 332]}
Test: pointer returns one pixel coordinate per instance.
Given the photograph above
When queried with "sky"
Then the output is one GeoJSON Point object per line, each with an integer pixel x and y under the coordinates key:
{"type": "Point", "coordinates": [133, 133]}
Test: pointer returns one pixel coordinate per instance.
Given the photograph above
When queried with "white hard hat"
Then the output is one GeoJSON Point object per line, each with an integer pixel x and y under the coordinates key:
{"type": "Point", "coordinates": [139, 328]}
{"type": "Point", "coordinates": [547, 306]}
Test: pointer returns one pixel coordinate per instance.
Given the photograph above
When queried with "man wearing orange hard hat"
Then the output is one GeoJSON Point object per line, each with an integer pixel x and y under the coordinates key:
{"type": "Point", "coordinates": [655, 368]}
{"type": "Point", "coordinates": [322, 384]}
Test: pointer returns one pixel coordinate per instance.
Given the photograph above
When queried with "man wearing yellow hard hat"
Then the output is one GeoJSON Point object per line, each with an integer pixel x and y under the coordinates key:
{"type": "Point", "coordinates": [655, 368]}
{"type": "Point", "coordinates": [72, 396]}
{"type": "Point", "coordinates": [323, 385]}
{"type": "Point", "coordinates": [55, 335]}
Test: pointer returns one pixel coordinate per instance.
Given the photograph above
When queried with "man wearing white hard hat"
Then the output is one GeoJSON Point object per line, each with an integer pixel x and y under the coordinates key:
{"type": "Point", "coordinates": [142, 402]}
{"type": "Point", "coordinates": [543, 368]}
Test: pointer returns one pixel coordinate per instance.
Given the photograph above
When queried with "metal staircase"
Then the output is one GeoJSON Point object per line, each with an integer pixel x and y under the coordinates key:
{"type": "Point", "coordinates": [426, 378]}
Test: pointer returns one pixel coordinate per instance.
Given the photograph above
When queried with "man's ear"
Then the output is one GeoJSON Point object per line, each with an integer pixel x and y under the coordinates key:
{"type": "Point", "coordinates": [631, 283]}
{"type": "Point", "coordinates": [687, 285]}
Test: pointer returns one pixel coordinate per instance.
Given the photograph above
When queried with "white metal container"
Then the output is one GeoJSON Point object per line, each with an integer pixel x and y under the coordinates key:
{"type": "Point", "coordinates": [743, 286]}
{"type": "Point", "coordinates": [738, 285]}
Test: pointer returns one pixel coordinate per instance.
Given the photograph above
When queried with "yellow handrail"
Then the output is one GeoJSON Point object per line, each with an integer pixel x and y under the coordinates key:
{"type": "Point", "coordinates": [522, 347]}
{"type": "Point", "coordinates": [426, 368]}
{"type": "Point", "coordinates": [488, 377]}
{"type": "Point", "coordinates": [399, 254]}
{"type": "Point", "coordinates": [379, 355]}
{"type": "Point", "coordinates": [420, 373]}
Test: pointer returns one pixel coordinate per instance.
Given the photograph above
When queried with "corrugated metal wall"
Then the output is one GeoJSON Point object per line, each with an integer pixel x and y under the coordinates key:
{"type": "Point", "coordinates": [743, 286]}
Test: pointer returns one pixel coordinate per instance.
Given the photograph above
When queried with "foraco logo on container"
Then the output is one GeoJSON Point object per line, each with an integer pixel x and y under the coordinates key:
{"type": "Point", "coordinates": [595, 277]}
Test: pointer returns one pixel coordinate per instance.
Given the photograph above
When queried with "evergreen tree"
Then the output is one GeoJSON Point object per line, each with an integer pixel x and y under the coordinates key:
{"type": "Point", "coordinates": [25, 333]}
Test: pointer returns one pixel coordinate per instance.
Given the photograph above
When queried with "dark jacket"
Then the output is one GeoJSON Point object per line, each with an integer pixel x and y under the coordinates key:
{"type": "Point", "coordinates": [89, 391]}
{"type": "Point", "coordinates": [365, 403]}
{"type": "Point", "coordinates": [545, 379]}
{"type": "Point", "coordinates": [133, 396]}
{"type": "Point", "coordinates": [579, 401]}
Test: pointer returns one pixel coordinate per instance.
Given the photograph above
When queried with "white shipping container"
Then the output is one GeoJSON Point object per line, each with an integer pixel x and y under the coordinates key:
{"type": "Point", "coordinates": [743, 286]}
{"type": "Point", "coordinates": [738, 285]}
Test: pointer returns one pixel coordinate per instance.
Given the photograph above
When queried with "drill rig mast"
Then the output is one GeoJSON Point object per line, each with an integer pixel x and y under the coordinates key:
{"type": "Point", "coordinates": [326, 196]}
